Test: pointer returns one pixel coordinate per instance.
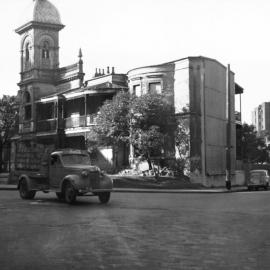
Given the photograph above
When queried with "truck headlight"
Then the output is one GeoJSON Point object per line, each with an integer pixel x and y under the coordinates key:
{"type": "Point", "coordinates": [84, 173]}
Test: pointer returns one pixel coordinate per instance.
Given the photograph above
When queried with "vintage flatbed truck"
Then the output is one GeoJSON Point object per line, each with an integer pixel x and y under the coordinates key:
{"type": "Point", "coordinates": [68, 173]}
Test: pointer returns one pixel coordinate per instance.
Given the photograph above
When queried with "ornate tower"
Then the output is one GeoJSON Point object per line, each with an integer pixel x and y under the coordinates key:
{"type": "Point", "coordinates": [39, 55]}
{"type": "Point", "coordinates": [40, 42]}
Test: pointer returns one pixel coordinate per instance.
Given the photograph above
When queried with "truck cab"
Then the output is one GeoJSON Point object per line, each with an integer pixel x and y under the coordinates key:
{"type": "Point", "coordinates": [68, 173]}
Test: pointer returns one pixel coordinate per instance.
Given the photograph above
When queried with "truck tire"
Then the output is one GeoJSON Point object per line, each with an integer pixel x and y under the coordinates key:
{"type": "Point", "coordinates": [60, 196]}
{"type": "Point", "coordinates": [104, 197]}
{"type": "Point", "coordinates": [25, 193]}
{"type": "Point", "coordinates": [69, 193]}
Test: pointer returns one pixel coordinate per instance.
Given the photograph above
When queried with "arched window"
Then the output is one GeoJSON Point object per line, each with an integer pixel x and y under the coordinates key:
{"type": "Point", "coordinates": [27, 52]}
{"type": "Point", "coordinates": [45, 50]}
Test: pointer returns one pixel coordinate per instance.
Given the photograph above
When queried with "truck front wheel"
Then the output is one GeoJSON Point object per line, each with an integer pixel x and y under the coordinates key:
{"type": "Point", "coordinates": [70, 193]}
{"type": "Point", "coordinates": [60, 196]}
{"type": "Point", "coordinates": [24, 192]}
{"type": "Point", "coordinates": [104, 197]}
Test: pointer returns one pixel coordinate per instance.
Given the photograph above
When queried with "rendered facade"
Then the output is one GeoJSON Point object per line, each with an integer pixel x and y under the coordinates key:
{"type": "Point", "coordinates": [57, 106]}
{"type": "Point", "coordinates": [261, 121]}
{"type": "Point", "coordinates": [261, 117]}
{"type": "Point", "coordinates": [199, 85]}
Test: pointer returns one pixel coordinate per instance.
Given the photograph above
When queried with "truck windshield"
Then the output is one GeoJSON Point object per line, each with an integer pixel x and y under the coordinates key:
{"type": "Point", "coordinates": [71, 159]}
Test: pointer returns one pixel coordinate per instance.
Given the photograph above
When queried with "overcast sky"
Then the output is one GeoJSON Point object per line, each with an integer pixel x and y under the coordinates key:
{"type": "Point", "coordinates": [132, 33]}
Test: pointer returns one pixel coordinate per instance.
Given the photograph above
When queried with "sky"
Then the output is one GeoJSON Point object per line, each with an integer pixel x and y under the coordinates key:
{"type": "Point", "coordinates": [131, 33]}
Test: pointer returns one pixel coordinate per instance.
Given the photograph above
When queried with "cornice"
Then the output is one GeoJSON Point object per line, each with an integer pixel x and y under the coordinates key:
{"type": "Point", "coordinates": [39, 25]}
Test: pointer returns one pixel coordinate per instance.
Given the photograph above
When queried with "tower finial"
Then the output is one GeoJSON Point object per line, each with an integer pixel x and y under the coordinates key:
{"type": "Point", "coordinates": [80, 63]}
{"type": "Point", "coordinates": [80, 53]}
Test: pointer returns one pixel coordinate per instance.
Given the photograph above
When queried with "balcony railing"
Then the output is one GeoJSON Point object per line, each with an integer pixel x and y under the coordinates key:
{"type": "Point", "coordinates": [80, 121]}
{"type": "Point", "coordinates": [49, 125]}
{"type": "Point", "coordinates": [46, 125]}
{"type": "Point", "coordinates": [26, 127]}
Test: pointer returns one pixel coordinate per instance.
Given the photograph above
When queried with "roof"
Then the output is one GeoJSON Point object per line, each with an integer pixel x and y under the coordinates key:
{"type": "Point", "coordinates": [41, 11]}
{"type": "Point", "coordinates": [177, 60]}
{"type": "Point", "coordinates": [238, 89]}
{"type": "Point", "coordinates": [102, 89]}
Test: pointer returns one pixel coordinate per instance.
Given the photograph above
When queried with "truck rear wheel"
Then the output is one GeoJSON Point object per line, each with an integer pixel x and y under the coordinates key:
{"type": "Point", "coordinates": [25, 193]}
{"type": "Point", "coordinates": [70, 193]}
{"type": "Point", "coordinates": [104, 197]}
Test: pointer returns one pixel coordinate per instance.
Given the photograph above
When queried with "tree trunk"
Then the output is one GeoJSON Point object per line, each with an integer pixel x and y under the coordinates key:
{"type": "Point", "coordinates": [1, 155]}
{"type": "Point", "coordinates": [149, 161]}
{"type": "Point", "coordinates": [115, 156]}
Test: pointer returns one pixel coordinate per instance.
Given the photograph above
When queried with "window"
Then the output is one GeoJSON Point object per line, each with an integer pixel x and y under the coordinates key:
{"type": "Point", "coordinates": [27, 52]}
{"type": "Point", "coordinates": [45, 50]}
{"type": "Point", "coordinates": [26, 97]}
{"type": "Point", "coordinates": [137, 90]}
{"type": "Point", "coordinates": [27, 112]}
{"type": "Point", "coordinates": [55, 161]}
{"type": "Point", "coordinates": [46, 111]}
{"type": "Point", "coordinates": [155, 87]}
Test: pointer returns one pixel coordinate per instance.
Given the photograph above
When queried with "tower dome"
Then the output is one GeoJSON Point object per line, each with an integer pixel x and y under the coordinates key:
{"type": "Point", "coordinates": [41, 11]}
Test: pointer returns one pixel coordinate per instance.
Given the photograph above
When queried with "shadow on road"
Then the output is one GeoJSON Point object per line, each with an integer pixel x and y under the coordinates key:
{"type": "Point", "coordinates": [81, 202]}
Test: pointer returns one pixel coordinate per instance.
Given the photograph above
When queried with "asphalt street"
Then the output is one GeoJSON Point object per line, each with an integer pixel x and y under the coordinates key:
{"type": "Point", "coordinates": [136, 231]}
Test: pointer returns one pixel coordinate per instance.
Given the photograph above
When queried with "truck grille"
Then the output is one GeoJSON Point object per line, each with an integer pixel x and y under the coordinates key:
{"type": "Point", "coordinates": [94, 179]}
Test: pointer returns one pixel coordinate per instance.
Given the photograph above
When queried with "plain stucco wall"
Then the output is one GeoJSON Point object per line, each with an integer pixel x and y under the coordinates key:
{"type": "Point", "coordinates": [215, 117]}
{"type": "Point", "coordinates": [200, 83]}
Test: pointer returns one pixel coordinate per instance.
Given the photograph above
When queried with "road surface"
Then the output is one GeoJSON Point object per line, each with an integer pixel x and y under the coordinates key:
{"type": "Point", "coordinates": [136, 231]}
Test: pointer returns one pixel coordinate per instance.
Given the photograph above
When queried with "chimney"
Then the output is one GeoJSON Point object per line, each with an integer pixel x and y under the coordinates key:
{"type": "Point", "coordinates": [96, 73]}
{"type": "Point", "coordinates": [103, 72]}
{"type": "Point", "coordinates": [112, 70]}
{"type": "Point", "coordinates": [99, 72]}
{"type": "Point", "coordinates": [108, 70]}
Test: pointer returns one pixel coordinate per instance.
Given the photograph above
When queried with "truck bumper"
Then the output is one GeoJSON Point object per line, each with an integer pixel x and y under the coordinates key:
{"type": "Point", "coordinates": [93, 191]}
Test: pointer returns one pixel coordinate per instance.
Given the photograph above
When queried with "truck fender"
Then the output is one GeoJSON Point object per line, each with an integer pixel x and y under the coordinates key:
{"type": "Point", "coordinates": [26, 177]}
{"type": "Point", "coordinates": [72, 179]}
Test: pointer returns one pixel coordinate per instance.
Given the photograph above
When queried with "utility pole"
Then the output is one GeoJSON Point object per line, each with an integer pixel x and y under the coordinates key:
{"type": "Point", "coordinates": [228, 140]}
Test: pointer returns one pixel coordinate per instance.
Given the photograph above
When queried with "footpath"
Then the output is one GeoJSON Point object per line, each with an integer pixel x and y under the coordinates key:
{"type": "Point", "coordinates": [137, 184]}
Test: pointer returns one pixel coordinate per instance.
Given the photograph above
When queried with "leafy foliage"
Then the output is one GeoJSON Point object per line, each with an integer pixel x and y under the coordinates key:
{"type": "Point", "coordinates": [152, 123]}
{"type": "Point", "coordinates": [7, 117]}
{"type": "Point", "coordinates": [112, 123]}
{"type": "Point", "coordinates": [142, 121]}
{"type": "Point", "coordinates": [253, 147]}
{"type": "Point", "coordinates": [182, 143]}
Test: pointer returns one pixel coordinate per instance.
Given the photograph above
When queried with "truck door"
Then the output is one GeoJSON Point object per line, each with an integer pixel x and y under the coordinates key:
{"type": "Point", "coordinates": [56, 170]}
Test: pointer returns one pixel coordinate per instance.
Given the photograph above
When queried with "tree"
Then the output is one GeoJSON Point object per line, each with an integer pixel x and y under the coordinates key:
{"type": "Point", "coordinates": [152, 124]}
{"type": "Point", "coordinates": [7, 121]}
{"type": "Point", "coordinates": [182, 143]}
{"type": "Point", "coordinates": [141, 121]}
{"type": "Point", "coordinates": [253, 147]}
{"type": "Point", "coordinates": [112, 123]}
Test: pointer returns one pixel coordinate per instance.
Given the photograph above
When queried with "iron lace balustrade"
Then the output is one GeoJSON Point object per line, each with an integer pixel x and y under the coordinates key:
{"type": "Point", "coordinates": [46, 125]}
{"type": "Point", "coordinates": [80, 121]}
